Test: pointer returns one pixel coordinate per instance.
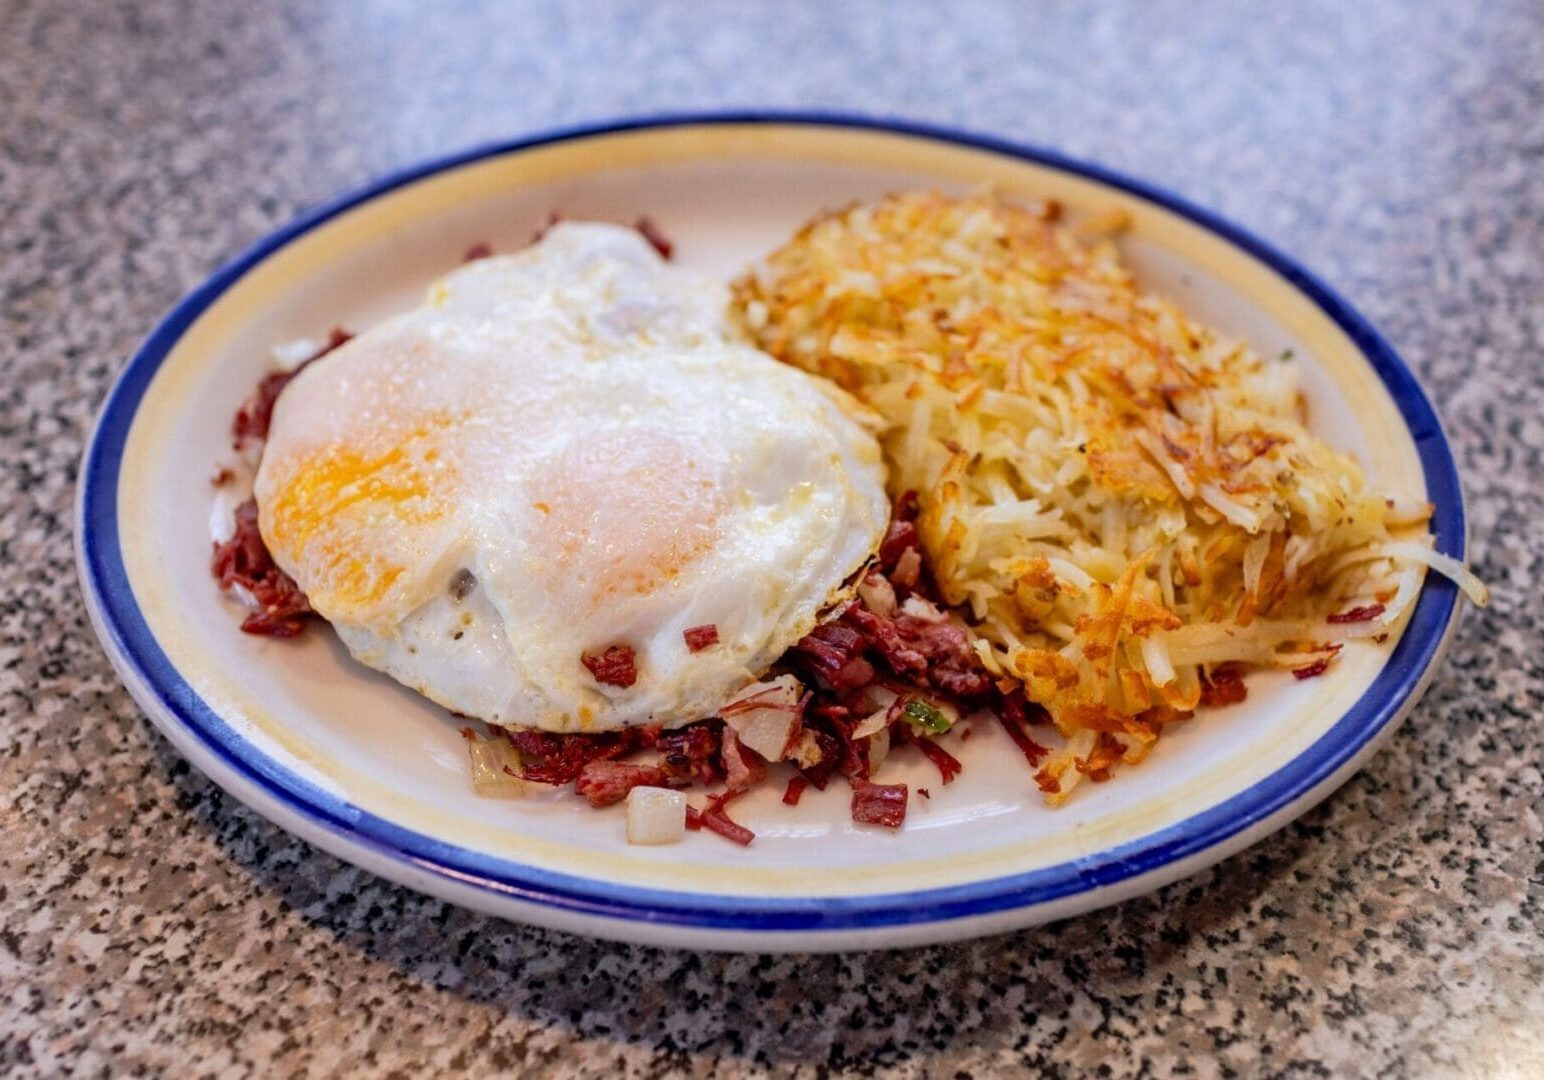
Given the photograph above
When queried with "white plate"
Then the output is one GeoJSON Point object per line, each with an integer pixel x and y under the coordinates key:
{"type": "Point", "coordinates": [376, 775]}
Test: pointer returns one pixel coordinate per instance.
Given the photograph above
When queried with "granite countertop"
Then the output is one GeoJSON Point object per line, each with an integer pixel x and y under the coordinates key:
{"type": "Point", "coordinates": [148, 922]}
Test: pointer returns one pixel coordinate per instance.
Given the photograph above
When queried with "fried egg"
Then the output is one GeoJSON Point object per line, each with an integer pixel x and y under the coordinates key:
{"type": "Point", "coordinates": [560, 452]}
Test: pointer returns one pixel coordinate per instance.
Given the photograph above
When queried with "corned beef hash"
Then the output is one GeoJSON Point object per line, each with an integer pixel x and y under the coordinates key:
{"type": "Point", "coordinates": [569, 496]}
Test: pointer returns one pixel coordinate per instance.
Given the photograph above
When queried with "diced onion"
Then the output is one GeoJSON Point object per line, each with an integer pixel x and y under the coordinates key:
{"type": "Point", "coordinates": [655, 815]}
{"type": "Point", "coordinates": [877, 594]}
{"type": "Point", "coordinates": [879, 749]}
{"type": "Point", "coordinates": [489, 759]}
{"type": "Point", "coordinates": [923, 610]}
{"type": "Point", "coordinates": [289, 355]}
{"type": "Point", "coordinates": [763, 715]}
{"type": "Point", "coordinates": [873, 723]}
{"type": "Point", "coordinates": [880, 696]}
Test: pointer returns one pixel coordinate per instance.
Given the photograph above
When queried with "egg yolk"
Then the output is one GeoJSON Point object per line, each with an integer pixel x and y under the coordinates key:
{"type": "Point", "coordinates": [339, 493]}
{"type": "Point", "coordinates": [627, 512]}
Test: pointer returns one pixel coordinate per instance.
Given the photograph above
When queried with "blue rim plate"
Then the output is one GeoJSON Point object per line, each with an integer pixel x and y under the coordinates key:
{"type": "Point", "coordinates": [665, 916]}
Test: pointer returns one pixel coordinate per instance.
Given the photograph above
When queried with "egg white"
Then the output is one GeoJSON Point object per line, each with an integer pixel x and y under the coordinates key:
{"type": "Point", "coordinates": [579, 428]}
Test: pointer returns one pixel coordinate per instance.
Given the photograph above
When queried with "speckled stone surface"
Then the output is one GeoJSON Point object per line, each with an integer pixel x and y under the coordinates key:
{"type": "Point", "coordinates": [150, 924]}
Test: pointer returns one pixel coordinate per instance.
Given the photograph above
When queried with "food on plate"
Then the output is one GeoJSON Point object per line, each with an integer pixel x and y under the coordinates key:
{"type": "Point", "coordinates": [564, 498]}
{"type": "Point", "coordinates": [576, 496]}
{"type": "Point", "coordinates": [1125, 506]}
{"type": "Point", "coordinates": [655, 815]}
{"type": "Point", "coordinates": [561, 494]}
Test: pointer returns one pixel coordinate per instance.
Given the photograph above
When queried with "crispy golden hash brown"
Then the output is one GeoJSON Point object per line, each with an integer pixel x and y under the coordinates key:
{"type": "Point", "coordinates": [1125, 504]}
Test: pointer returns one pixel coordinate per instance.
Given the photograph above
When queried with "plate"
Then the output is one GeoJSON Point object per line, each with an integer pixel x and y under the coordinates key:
{"type": "Point", "coordinates": [370, 772]}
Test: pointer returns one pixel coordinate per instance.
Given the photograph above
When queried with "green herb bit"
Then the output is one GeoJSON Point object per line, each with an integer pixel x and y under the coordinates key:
{"type": "Point", "coordinates": [926, 717]}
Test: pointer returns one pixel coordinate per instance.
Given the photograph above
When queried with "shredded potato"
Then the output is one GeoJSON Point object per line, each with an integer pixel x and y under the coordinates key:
{"type": "Point", "coordinates": [1116, 498]}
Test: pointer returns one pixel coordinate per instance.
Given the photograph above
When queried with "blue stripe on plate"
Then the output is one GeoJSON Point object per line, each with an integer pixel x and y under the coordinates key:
{"type": "Point", "coordinates": [104, 576]}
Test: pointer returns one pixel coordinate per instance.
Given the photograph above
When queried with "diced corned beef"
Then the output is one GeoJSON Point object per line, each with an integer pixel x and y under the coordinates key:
{"type": "Point", "coordinates": [717, 821]}
{"type": "Point", "coordinates": [244, 560]}
{"type": "Point", "coordinates": [937, 640]}
{"type": "Point", "coordinates": [854, 674]}
{"type": "Point", "coordinates": [841, 751]}
{"type": "Point", "coordinates": [961, 684]}
{"type": "Point", "coordinates": [830, 653]}
{"type": "Point", "coordinates": [690, 754]}
{"type": "Point", "coordinates": [1315, 669]}
{"type": "Point", "coordinates": [276, 621]}
{"type": "Point", "coordinates": [553, 217]}
{"type": "Point", "coordinates": [839, 612]}
{"type": "Point", "coordinates": [879, 804]}
{"type": "Point", "coordinates": [1102, 759]}
{"type": "Point", "coordinates": [1015, 706]}
{"type": "Point", "coordinates": [948, 765]}
{"type": "Point", "coordinates": [1357, 614]}
{"type": "Point", "coordinates": [252, 419]}
{"type": "Point", "coordinates": [742, 768]}
{"type": "Point", "coordinates": [616, 666]}
{"type": "Point", "coordinates": [855, 758]}
{"type": "Point", "coordinates": [795, 790]}
{"type": "Point", "coordinates": [886, 636]}
{"type": "Point", "coordinates": [714, 818]}
{"type": "Point", "coordinates": [900, 537]}
{"type": "Point", "coordinates": [549, 758]}
{"type": "Point", "coordinates": [953, 666]}
{"type": "Point", "coordinates": [818, 657]}
{"type": "Point", "coordinates": [921, 648]}
{"type": "Point", "coordinates": [838, 636]}
{"type": "Point", "coordinates": [819, 774]}
{"type": "Point", "coordinates": [700, 637]}
{"type": "Point", "coordinates": [650, 232]}
{"type": "Point", "coordinates": [605, 783]}
{"type": "Point", "coordinates": [1013, 711]}
{"type": "Point", "coordinates": [1225, 686]}
{"type": "Point", "coordinates": [835, 712]}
